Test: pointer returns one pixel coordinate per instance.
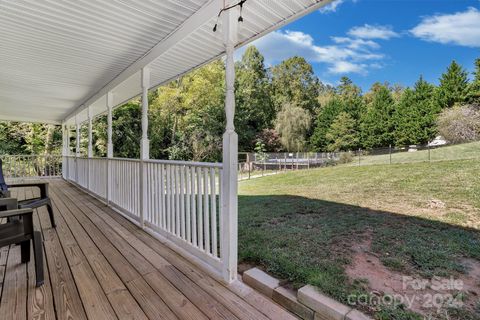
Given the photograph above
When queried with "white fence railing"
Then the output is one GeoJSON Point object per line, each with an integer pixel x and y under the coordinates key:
{"type": "Point", "coordinates": [31, 166]}
{"type": "Point", "coordinates": [182, 201]}
{"type": "Point", "coordinates": [124, 186]}
{"type": "Point", "coordinates": [178, 200]}
{"type": "Point", "coordinates": [97, 176]}
{"type": "Point", "coordinates": [82, 172]}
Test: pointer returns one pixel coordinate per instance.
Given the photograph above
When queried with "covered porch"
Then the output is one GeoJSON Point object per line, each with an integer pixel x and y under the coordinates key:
{"type": "Point", "coordinates": [135, 238]}
{"type": "Point", "coordinates": [99, 265]}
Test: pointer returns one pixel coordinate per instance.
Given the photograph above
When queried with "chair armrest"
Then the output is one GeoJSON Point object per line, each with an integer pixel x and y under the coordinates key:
{"type": "Point", "coordinates": [10, 203]}
{"type": "Point", "coordinates": [15, 213]}
{"type": "Point", "coordinates": [42, 185]}
{"type": "Point", "coordinates": [26, 184]}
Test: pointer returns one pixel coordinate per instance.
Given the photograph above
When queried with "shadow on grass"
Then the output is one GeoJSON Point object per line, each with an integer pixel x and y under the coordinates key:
{"type": "Point", "coordinates": [310, 241]}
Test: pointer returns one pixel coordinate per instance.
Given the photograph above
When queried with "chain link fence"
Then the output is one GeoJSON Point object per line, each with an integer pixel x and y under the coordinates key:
{"type": "Point", "coordinates": [251, 165]}
{"type": "Point", "coordinates": [414, 153]}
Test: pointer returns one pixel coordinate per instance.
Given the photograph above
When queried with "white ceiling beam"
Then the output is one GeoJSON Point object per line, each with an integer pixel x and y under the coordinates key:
{"type": "Point", "coordinates": [195, 21]}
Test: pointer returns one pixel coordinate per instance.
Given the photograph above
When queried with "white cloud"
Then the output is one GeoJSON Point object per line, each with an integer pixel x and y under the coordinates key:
{"type": "Point", "coordinates": [343, 67]}
{"type": "Point", "coordinates": [461, 28]}
{"type": "Point", "coordinates": [372, 32]}
{"type": "Point", "coordinates": [331, 7]}
{"type": "Point", "coordinates": [344, 55]}
{"type": "Point", "coordinates": [356, 44]}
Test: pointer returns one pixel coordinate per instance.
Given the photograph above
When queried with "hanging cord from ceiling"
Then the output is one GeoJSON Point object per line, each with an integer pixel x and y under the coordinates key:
{"type": "Point", "coordinates": [238, 4]}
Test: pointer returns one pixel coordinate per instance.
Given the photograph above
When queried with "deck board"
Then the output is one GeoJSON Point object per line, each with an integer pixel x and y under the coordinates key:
{"type": "Point", "coordinates": [14, 306]}
{"type": "Point", "coordinates": [40, 300]}
{"type": "Point", "coordinates": [99, 265]}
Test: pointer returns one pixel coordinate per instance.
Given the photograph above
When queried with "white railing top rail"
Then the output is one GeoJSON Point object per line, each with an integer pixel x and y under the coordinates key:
{"type": "Point", "coordinates": [30, 155]}
{"type": "Point", "coordinates": [187, 163]}
{"type": "Point", "coordinates": [170, 162]}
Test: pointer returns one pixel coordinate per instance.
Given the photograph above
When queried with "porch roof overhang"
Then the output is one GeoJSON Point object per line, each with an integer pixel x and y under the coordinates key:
{"type": "Point", "coordinates": [59, 58]}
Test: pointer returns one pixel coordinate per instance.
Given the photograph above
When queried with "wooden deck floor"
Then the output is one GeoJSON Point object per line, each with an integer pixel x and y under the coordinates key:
{"type": "Point", "coordinates": [101, 266]}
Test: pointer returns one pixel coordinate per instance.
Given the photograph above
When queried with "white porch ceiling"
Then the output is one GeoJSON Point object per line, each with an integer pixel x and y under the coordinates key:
{"type": "Point", "coordinates": [59, 57]}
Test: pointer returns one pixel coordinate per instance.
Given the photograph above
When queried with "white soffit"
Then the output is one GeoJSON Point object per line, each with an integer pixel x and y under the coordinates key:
{"type": "Point", "coordinates": [59, 57]}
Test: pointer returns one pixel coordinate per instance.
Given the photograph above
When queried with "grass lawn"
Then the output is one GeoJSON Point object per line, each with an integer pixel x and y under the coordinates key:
{"type": "Point", "coordinates": [463, 151]}
{"type": "Point", "coordinates": [302, 225]}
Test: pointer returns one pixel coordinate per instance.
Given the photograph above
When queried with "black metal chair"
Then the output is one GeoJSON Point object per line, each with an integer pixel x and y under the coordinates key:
{"type": "Point", "coordinates": [32, 203]}
{"type": "Point", "coordinates": [19, 230]}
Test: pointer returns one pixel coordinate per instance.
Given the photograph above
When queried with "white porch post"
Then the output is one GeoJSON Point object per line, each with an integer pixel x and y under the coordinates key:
{"type": "Point", "coordinates": [144, 145]}
{"type": "Point", "coordinates": [90, 145]}
{"type": "Point", "coordinates": [77, 137]}
{"type": "Point", "coordinates": [64, 151]}
{"type": "Point", "coordinates": [90, 135]}
{"type": "Point", "coordinates": [229, 181]}
{"type": "Point", "coordinates": [67, 150]}
{"type": "Point", "coordinates": [77, 147]}
{"type": "Point", "coordinates": [67, 140]}
{"type": "Point", "coordinates": [109, 144]}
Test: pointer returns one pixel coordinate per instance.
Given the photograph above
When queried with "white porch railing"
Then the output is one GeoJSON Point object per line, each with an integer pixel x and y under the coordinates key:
{"type": "Point", "coordinates": [97, 169]}
{"type": "Point", "coordinates": [31, 166]}
{"type": "Point", "coordinates": [180, 200]}
{"type": "Point", "coordinates": [124, 186]}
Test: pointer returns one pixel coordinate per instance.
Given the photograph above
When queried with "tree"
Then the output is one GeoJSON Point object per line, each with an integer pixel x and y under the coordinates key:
{"type": "Point", "coordinates": [460, 124]}
{"type": "Point", "coordinates": [292, 123]}
{"type": "Point", "coordinates": [204, 121]}
{"type": "Point", "coordinates": [270, 139]}
{"type": "Point", "coordinates": [99, 134]}
{"type": "Point", "coordinates": [405, 118]}
{"type": "Point", "coordinates": [325, 118]}
{"type": "Point", "coordinates": [342, 134]}
{"type": "Point", "coordinates": [453, 86]}
{"type": "Point", "coordinates": [254, 106]}
{"type": "Point", "coordinates": [166, 114]}
{"type": "Point", "coordinates": [260, 151]}
{"type": "Point", "coordinates": [127, 130]}
{"type": "Point", "coordinates": [294, 81]}
{"type": "Point", "coordinates": [29, 138]}
{"type": "Point", "coordinates": [12, 140]}
{"type": "Point", "coordinates": [416, 114]}
{"type": "Point", "coordinates": [377, 125]}
{"type": "Point", "coordinates": [473, 95]}
{"type": "Point", "coordinates": [351, 96]}
{"type": "Point", "coordinates": [427, 110]}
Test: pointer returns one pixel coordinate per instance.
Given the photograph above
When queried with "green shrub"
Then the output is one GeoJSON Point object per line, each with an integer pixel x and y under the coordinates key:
{"type": "Point", "coordinates": [345, 157]}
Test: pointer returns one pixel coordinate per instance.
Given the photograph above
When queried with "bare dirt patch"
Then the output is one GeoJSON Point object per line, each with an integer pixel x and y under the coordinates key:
{"type": "Point", "coordinates": [429, 297]}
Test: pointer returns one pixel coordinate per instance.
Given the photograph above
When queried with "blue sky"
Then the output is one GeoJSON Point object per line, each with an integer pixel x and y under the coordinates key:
{"type": "Point", "coordinates": [381, 40]}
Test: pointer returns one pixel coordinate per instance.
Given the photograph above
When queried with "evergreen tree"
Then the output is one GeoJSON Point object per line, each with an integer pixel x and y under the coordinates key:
{"type": "Point", "coordinates": [254, 107]}
{"type": "Point", "coordinates": [377, 125]}
{"type": "Point", "coordinates": [405, 118]}
{"type": "Point", "coordinates": [473, 95]}
{"type": "Point", "coordinates": [293, 81]}
{"type": "Point", "coordinates": [427, 110]}
{"type": "Point", "coordinates": [351, 96]}
{"type": "Point", "coordinates": [416, 114]}
{"type": "Point", "coordinates": [453, 86]}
